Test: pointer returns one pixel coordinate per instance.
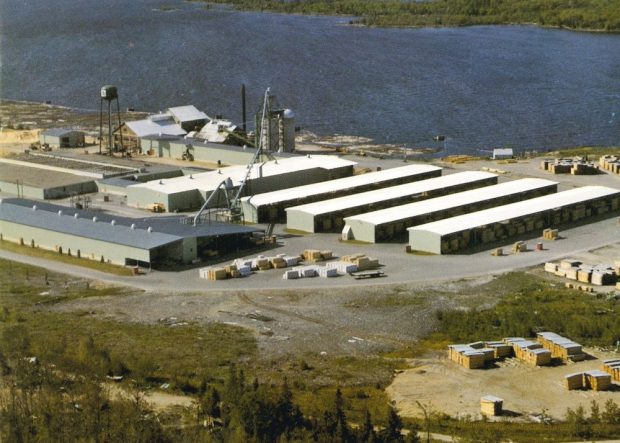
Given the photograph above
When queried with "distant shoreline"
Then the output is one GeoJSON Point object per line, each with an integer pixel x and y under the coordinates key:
{"type": "Point", "coordinates": [594, 17]}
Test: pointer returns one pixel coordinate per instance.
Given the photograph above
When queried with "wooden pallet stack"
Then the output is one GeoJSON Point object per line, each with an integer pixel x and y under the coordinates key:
{"type": "Point", "coordinates": [530, 352]}
{"type": "Point", "coordinates": [612, 367]}
{"type": "Point", "coordinates": [561, 347]}
{"type": "Point", "coordinates": [610, 163]}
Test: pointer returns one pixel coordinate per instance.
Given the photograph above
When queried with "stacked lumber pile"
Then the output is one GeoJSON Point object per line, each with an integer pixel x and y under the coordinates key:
{"type": "Point", "coordinates": [573, 381]}
{"type": "Point", "coordinates": [314, 255]}
{"type": "Point", "coordinates": [612, 367]}
{"type": "Point", "coordinates": [501, 349]}
{"type": "Point", "coordinates": [530, 352]}
{"type": "Point", "coordinates": [551, 234]}
{"type": "Point", "coordinates": [467, 356]}
{"type": "Point", "coordinates": [213, 273]}
{"type": "Point", "coordinates": [610, 163]}
{"type": "Point", "coordinates": [594, 379]}
{"type": "Point", "coordinates": [599, 275]}
{"type": "Point", "coordinates": [362, 261]}
{"type": "Point", "coordinates": [309, 272]}
{"type": "Point", "coordinates": [574, 166]}
{"type": "Point", "coordinates": [561, 347]}
{"type": "Point", "coordinates": [491, 405]}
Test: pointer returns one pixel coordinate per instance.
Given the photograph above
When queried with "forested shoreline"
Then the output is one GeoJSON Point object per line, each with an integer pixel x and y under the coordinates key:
{"type": "Point", "coordinates": [591, 15]}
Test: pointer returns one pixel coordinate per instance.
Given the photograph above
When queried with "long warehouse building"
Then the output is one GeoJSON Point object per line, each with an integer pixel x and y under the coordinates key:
{"type": "Point", "coordinates": [483, 228]}
{"type": "Point", "coordinates": [191, 191]}
{"type": "Point", "coordinates": [270, 206]}
{"type": "Point", "coordinates": [386, 224]}
{"type": "Point", "coordinates": [150, 241]}
{"type": "Point", "coordinates": [328, 215]}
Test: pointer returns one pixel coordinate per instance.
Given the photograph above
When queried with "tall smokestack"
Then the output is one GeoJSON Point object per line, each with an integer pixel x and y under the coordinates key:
{"type": "Point", "coordinates": [243, 106]}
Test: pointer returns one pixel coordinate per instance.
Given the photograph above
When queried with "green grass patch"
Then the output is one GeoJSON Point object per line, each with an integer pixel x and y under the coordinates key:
{"type": "Point", "coordinates": [532, 305]}
{"type": "Point", "coordinates": [386, 300]}
{"type": "Point", "coordinates": [71, 260]}
{"type": "Point", "coordinates": [593, 152]}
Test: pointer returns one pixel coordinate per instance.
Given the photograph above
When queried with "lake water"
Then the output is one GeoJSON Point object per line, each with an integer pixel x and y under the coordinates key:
{"type": "Point", "coordinates": [482, 87]}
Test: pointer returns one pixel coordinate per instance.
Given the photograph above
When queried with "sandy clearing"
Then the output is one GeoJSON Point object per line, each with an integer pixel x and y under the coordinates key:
{"type": "Point", "coordinates": [442, 385]}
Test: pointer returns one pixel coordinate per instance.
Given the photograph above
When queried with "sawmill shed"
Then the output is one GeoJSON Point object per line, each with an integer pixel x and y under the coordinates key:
{"type": "Point", "coordinates": [150, 241]}
{"type": "Point", "coordinates": [191, 191]}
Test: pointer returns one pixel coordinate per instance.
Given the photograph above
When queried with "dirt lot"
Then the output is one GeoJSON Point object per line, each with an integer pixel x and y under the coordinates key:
{"type": "Point", "coordinates": [445, 386]}
{"type": "Point", "coordinates": [347, 321]}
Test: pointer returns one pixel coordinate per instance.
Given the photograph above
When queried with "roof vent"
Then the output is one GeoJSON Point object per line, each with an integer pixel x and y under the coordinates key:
{"type": "Point", "coordinates": [219, 171]}
{"type": "Point", "coordinates": [308, 156]}
{"type": "Point", "coordinates": [0, 201]}
{"type": "Point", "coordinates": [133, 226]}
{"type": "Point", "coordinates": [60, 212]}
{"type": "Point", "coordinates": [95, 219]}
{"type": "Point", "coordinates": [149, 229]}
{"type": "Point", "coordinates": [75, 215]}
{"type": "Point", "coordinates": [34, 207]}
{"type": "Point", "coordinates": [161, 182]}
{"type": "Point", "coordinates": [191, 177]}
{"type": "Point", "coordinates": [113, 222]}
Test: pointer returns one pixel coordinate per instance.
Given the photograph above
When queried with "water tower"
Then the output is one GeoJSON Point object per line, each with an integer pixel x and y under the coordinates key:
{"type": "Point", "coordinates": [109, 93]}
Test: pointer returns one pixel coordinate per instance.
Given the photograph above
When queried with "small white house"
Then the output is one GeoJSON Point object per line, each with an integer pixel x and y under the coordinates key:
{"type": "Point", "coordinates": [502, 153]}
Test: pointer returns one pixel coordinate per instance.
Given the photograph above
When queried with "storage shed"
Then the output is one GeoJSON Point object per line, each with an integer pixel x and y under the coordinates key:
{"type": "Point", "coordinates": [478, 229]}
{"type": "Point", "coordinates": [328, 215]}
{"type": "Point", "coordinates": [270, 206]}
{"type": "Point", "coordinates": [62, 138]}
{"type": "Point", "coordinates": [389, 223]}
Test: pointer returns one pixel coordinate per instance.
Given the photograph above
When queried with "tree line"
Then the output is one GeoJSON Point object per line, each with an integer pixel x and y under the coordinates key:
{"type": "Point", "coordinates": [41, 402]}
{"type": "Point", "coordinates": [572, 14]}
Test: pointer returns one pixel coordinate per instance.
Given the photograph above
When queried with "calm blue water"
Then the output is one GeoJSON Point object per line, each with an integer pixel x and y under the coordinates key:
{"type": "Point", "coordinates": [482, 87]}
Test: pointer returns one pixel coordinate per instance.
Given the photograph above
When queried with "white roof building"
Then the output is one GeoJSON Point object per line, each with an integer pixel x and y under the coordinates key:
{"type": "Point", "coordinates": [256, 208]}
{"type": "Point", "coordinates": [386, 223]}
{"type": "Point", "coordinates": [188, 191]}
{"type": "Point", "coordinates": [158, 124]}
{"type": "Point", "coordinates": [189, 113]}
{"type": "Point", "coordinates": [428, 237]}
{"type": "Point", "coordinates": [306, 217]}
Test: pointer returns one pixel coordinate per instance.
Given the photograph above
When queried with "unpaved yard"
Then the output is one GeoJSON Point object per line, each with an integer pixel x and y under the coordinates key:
{"type": "Point", "coordinates": [441, 385]}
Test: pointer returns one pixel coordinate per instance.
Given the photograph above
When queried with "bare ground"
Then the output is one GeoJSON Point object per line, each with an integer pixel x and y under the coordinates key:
{"type": "Point", "coordinates": [350, 321]}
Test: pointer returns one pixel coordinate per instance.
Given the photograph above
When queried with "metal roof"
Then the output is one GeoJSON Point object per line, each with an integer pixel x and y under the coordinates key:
{"type": "Point", "coordinates": [378, 195]}
{"type": "Point", "coordinates": [452, 201]}
{"type": "Point", "coordinates": [338, 184]}
{"type": "Point", "coordinates": [208, 181]}
{"type": "Point", "coordinates": [164, 230]}
{"type": "Point", "coordinates": [161, 124]}
{"type": "Point", "coordinates": [187, 113]}
{"type": "Point", "coordinates": [59, 132]}
{"type": "Point", "coordinates": [514, 210]}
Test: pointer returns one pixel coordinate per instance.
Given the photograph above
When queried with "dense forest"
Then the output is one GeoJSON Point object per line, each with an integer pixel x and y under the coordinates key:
{"type": "Point", "coordinates": [603, 15]}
